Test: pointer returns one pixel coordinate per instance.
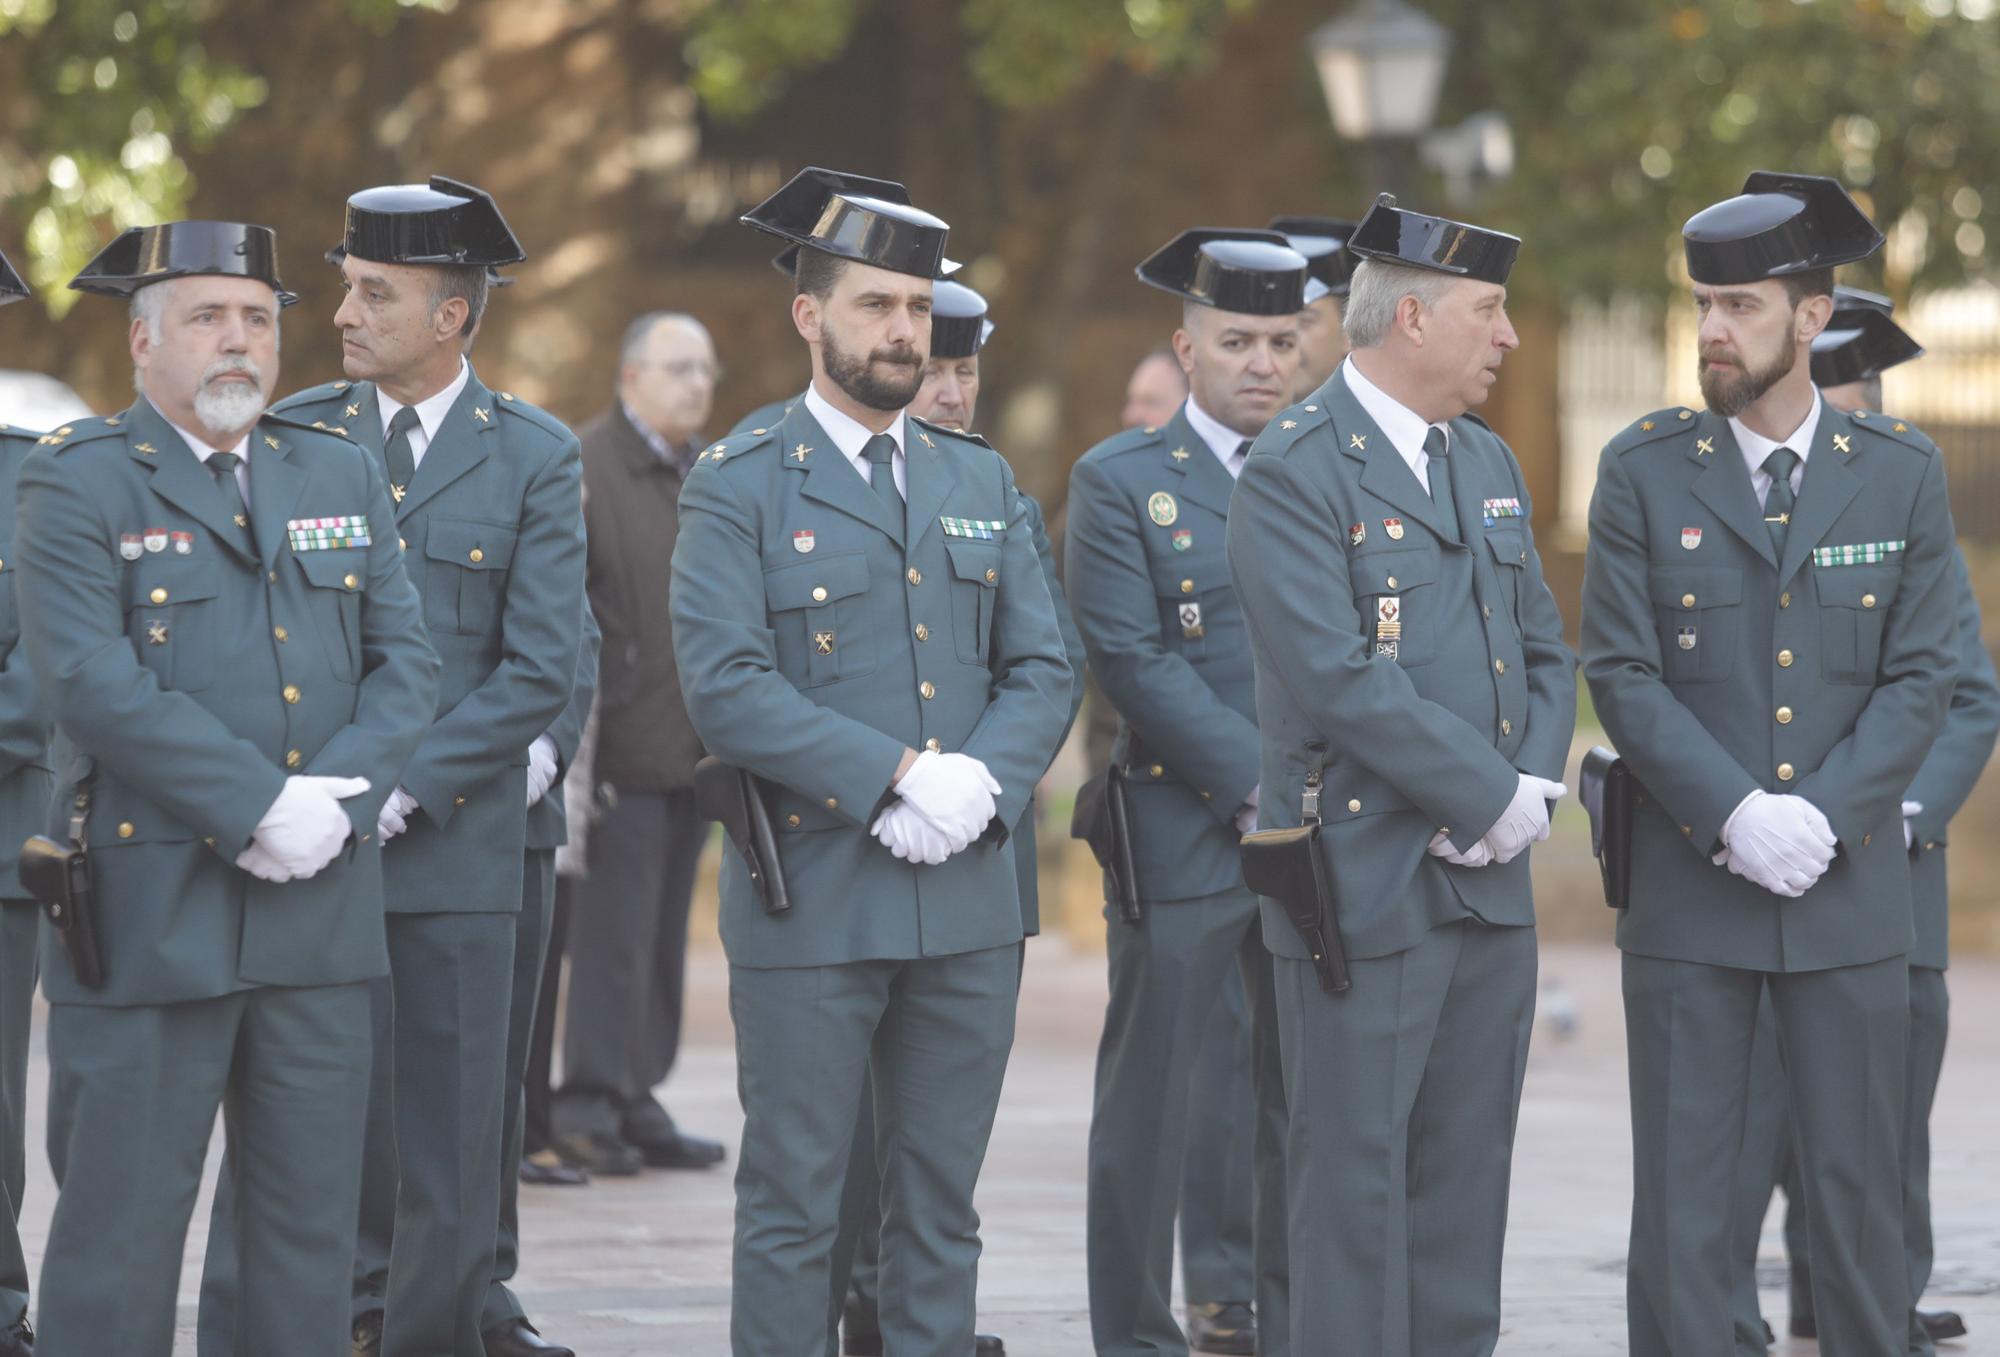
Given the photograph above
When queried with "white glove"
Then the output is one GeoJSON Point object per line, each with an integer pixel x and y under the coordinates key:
{"type": "Point", "coordinates": [907, 834]}
{"type": "Point", "coordinates": [952, 791]}
{"type": "Point", "coordinates": [1781, 843]}
{"type": "Point", "coordinates": [1246, 814]}
{"type": "Point", "coordinates": [261, 864]}
{"type": "Point", "coordinates": [1526, 819]}
{"type": "Point", "coordinates": [1479, 855]}
{"type": "Point", "coordinates": [541, 768]}
{"type": "Point", "coordinates": [305, 827]}
{"type": "Point", "coordinates": [395, 815]}
{"type": "Point", "coordinates": [1909, 834]}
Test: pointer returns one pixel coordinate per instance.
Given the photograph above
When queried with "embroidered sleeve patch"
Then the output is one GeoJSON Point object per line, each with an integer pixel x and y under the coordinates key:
{"type": "Point", "coordinates": [1856, 553]}
{"type": "Point", "coordinates": [323, 534]}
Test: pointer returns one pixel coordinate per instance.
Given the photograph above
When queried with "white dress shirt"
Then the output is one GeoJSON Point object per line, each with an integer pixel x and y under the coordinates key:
{"type": "Point", "coordinates": [1222, 440]}
{"type": "Point", "coordinates": [851, 437]}
{"type": "Point", "coordinates": [203, 452]}
{"type": "Point", "coordinates": [430, 412]}
{"type": "Point", "coordinates": [1404, 427]}
{"type": "Point", "coordinates": [1756, 448]}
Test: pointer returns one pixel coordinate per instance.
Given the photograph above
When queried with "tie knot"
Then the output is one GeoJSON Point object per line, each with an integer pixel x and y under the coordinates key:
{"type": "Point", "coordinates": [1435, 442]}
{"type": "Point", "coordinates": [403, 420]}
{"type": "Point", "coordinates": [1780, 465]}
{"type": "Point", "coordinates": [1243, 450]}
{"type": "Point", "coordinates": [221, 463]}
{"type": "Point", "coordinates": [880, 450]}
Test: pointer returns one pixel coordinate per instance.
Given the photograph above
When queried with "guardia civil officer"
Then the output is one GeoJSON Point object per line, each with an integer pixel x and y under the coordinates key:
{"type": "Point", "coordinates": [486, 490]}
{"type": "Point", "coordinates": [217, 612]}
{"type": "Point", "coordinates": [1768, 636]}
{"type": "Point", "coordinates": [1322, 340]}
{"type": "Point", "coordinates": [1409, 661]}
{"type": "Point", "coordinates": [861, 623]}
{"type": "Point", "coordinates": [24, 800]}
{"type": "Point", "coordinates": [948, 396]}
{"type": "Point", "coordinates": [1164, 633]}
{"type": "Point", "coordinates": [1860, 342]}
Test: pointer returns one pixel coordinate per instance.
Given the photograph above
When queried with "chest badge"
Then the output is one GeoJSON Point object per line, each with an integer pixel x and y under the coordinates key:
{"type": "Point", "coordinates": [184, 543]}
{"type": "Point", "coordinates": [1690, 538]}
{"type": "Point", "coordinates": [1357, 534]}
{"type": "Point", "coordinates": [156, 633]}
{"type": "Point", "coordinates": [1394, 527]}
{"type": "Point", "coordinates": [1191, 625]}
{"type": "Point", "coordinates": [822, 643]}
{"type": "Point", "coordinates": [156, 539]}
{"type": "Point", "coordinates": [1163, 509]}
{"type": "Point", "coordinates": [1183, 538]}
{"type": "Point", "coordinates": [130, 546]}
{"type": "Point", "coordinates": [1685, 636]}
{"type": "Point", "coordinates": [802, 542]}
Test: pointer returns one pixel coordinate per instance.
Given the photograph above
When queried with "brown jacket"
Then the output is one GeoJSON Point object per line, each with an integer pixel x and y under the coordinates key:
{"type": "Point", "coordinates": [630, 509]}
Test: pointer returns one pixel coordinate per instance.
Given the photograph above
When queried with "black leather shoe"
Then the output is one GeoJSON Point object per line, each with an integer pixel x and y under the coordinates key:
{"type": "Point", "coordinates": [1942, 1325]}
{"type": "Point", "coordinates": [18, 1340]}
{"type": "Point", "coordinates": [518, 1338]}
{"type": "Point", "coordinates": [857, 1341]}
{"type": "Point", "coordinates": [1803, 1324]}
{"type": "Point", "coordinates": [598, 1154]}
{"type": "Point", "coordinates": [988, 1345]}
{"type": "Point", "coordinates": [545, 1168]}
{"type": "Point", "coordinates": [1770, 1339]}
{"type": "Point", "coordinates": [859, 1334]}
{"type": "Point", "coordinates": [1226, 1327]}
{"type": "Point", "coordinates": [679, 1150]}
{"type": "Point", "coordinates": [368, 1335]}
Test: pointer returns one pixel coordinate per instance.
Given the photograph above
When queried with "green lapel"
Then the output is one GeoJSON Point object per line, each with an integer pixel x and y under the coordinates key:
{"type": "Point", "coordinates": [830, 477]}
{"type": "Point", "coordinates": [1384, 473]}
{"type": "Point", "coordinates": [1203, 478]}
{"type": "Point", "coordinates": [276, 482]}
{"type": "Point", "coordinates": [178, 475]}
{"type": "Point", "coordinates": [461, 444]}
{"type": "Point", "coordinates": [1828, 486]}
{"type": "Point", "coordinates": [1724, 483]}
{"type": "Point", "coordinates": [929, 479]}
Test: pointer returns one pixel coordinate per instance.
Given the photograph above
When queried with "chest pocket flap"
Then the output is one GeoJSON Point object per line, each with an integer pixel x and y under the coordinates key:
{"type": "Point", "coordinates": [1392, 572]}
{"type": "Point", "coordinates": [468, 543]}
{"type": "Point", "coordinates": [160, 580]}
{"type": "Point", "coordinates": [815, 584]}
{"type": "Point", "coordinates": [975, 562]}
{"type": "Point", "coordinates": [346, 570]}
{"type": "Point", "coordinates": [1509, 547]}
{"type": "Point", "coordinates": [1689, 587]}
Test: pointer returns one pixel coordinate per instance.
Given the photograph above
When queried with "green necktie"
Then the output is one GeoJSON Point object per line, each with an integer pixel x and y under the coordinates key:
{"type": "Point", "coordinates": [1779, 500]}
{"type": "Point", "coordinates": [222, 465]}
{"type": "Point", "coordinates": [881, 454]}
{"type": "Point", "coordinates": [401, 462]}
{"type": "Point", "coordinates": [1436, 447]}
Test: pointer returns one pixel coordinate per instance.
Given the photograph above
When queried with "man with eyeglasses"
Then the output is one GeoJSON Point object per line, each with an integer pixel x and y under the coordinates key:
{"type": "Point", "coordinates": [628, 939]}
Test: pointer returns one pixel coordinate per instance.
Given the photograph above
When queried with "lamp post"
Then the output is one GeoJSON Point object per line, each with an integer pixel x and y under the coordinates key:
{"type": "Point", "coordinates": [1381, 65]}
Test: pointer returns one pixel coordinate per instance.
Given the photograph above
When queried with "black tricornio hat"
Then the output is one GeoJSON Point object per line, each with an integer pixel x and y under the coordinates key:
{"type": "Point", "coordinates": [1779, 224]}
{"type": "Point", "coordinates": [442, 222]}
{"type": "Point", "coordinates": [12, 289]}
{"type": "Point", "coordinates": [1321, 240]}
{"type": "Point", "coordinates": [786, 261]}
{"type": "Point", "coordinates": [1860, 341]}
{"type": "Point", "coordinates": [1395, 235]}
{"type": "Point", "coordinates": [142, 255]}
{"type": "Point", "coordinates": [959, 327]}
{"type": "Point", "coordinates": [869, 221]}
{"type": "Point", "coordinates": [1253, 273]}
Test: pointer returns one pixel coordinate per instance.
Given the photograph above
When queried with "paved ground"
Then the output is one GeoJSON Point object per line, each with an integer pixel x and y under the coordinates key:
{"type": "Point", "coordinates": [642, 1268]}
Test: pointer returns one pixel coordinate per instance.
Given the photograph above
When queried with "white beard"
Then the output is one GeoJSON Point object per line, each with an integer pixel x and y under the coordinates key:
{"type": "Point", "coordinates": [229, 406]}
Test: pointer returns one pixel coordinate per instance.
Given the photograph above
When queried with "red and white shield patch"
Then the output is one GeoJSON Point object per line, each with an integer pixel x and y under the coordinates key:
{"type": "Point", "coordinates": [1690, 538]}
{"type": "Point", "coordinates": [802, 542]}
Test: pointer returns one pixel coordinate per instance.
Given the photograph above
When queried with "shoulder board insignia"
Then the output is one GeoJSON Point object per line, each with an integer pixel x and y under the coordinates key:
{"type": "Point", "coordinates": [1654, 426]}
{"type": "Point", "coordinates": [1893, 429]}
{"type": "Point", "coordinates": [342, 386]}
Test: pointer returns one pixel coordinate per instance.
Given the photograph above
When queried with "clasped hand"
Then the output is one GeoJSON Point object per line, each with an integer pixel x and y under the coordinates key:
{"type": "Point", "coordinates": [303, 830]}
{"type": "Point", "coordinates": [1525, 821]}
{"type": "Point", "coordinates": [1782, 843]}
{"type": "Point", "coordinates": [945, 802]}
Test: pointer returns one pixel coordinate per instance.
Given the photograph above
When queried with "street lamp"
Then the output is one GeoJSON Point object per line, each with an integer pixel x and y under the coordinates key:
{"type": "Point", "coordinates": [1381, 65]}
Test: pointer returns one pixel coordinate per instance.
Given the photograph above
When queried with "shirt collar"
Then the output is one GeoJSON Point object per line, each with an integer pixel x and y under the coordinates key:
{"type": "Point", "coordinates": [1403, 427]}
{"type": "Point", "coordinates": [1221, 439]}
{"type": "Point", "coordinates": [432, 409]}
{"type": "Point", "coordinates": [848, 434]}
{"type": "Point", "coordinates": [203, 450]}
{"type": "Point", "coordinates": [1756, 447]}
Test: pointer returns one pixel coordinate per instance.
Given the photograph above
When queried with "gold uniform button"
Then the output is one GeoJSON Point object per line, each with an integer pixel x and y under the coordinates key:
{"type": "Point", "coordinates": [1930, 847]}
{"type": "Point", "coordinates": [1784, 716]}
{"type": "Point", "coordinates": [1785, 600]}
{"type": "Point", "coordinates": [209, 840]}
{"type": "Point", "coordinates": [351, 582]}
{"type": "Point", "coordinates": [402, 544]}
{"type": "Point", "coordinates": [1158, 770]}
{"type": "Point", "coordinates": [923, 632]}
{"type": "Point", "coordinates": [833, 803]}
{"type": "Point", "coordinates": [933, 745]}
{"type": "Point", "coordinates": [293, 758]}
{"type": "Point", "coordinates": [915, 576]}
{"type": "Point", "coordinates": [1499, 666]}
{"type": "Point", "coordinates": [158, 596]}
{"type": "Point", "coordinates": [1354, 806]}
{"type": "Point", "coordinates": [819, 595]}
{"type": "Point", "coordinates": [1506, 726]}
{"type": "Point", "coordinates": [1868, 600]}
{"type": "Point", "coordinates": [1187, 586]}
{"type": "Point", "coordinates": [928, 689]}
{"type": "Point", "coordinates": [1206, 797]}
{"type": "Point", "coordinates": [292, 693]}
{"type": "Point", "coordinates": [1687, 600]}
{"type": "Point", "coordinates": [1867, 839]}
{"type": "Point", "coordinates": [475, 555]}
{"type": "Point", "coordinates": [458, 801]}
{"type": "Point", "coordinates": [271, 576]}
{"type": "Point", "coordinates": [992, 576]}
{"type": "Point", "coordinates": [1785, 772]}
{"type": "Point", "coordinates": [1688, 830]}
{"type": "Point", "coordinates": [1784, 659]}
{"type": "Point", "coordinates": [792, 820]}
{"type": "Point", "coordinates": [282, 635]}
{"type": "Point", "coordinates": [125, 830]}
{"type": "Point", "coordinates": [1486, 612]}
{"type": "Point", "coordinates": [1391, 582]}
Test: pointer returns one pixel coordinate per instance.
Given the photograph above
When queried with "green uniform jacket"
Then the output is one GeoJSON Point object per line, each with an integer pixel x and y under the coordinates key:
{"type": "Point", "coordinates": [493, 530]}
{"type": "Point", "coordinates": [1149, 580]}
{"type": "Point", "coordinates": [1718, 669]}
{"type": "Point", "coordinates": [548, 819]}
{"type": "Point", "coordinates": [25, 781]}
{"type": "Point", "coordinates": [1330, 530]}
{"type": "Point", "coordinates": [1949, 774]}
{"type": "Point", "coordinates": [817, 639]}
{"type": "Point", "coordinates": [191, 679]}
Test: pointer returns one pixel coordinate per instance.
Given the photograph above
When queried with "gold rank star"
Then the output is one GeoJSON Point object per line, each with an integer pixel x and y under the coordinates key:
{"type": "Point", "coordinates": [1645, 426]}
{"type": "Point", "coordinates": [1840, 442]}
{"type": "Point", "coordinates": [1357, 440]}
{"type": "Point", "coordinates": [1902, 428]}
{"type": "Point", "coordinates": [1288, 424]}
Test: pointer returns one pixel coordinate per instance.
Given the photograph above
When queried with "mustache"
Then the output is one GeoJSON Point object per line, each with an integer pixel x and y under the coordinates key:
{"type": "Point", "coordinates": [900, 357]}
{"type": "Point", "coordinates": [222, 367]}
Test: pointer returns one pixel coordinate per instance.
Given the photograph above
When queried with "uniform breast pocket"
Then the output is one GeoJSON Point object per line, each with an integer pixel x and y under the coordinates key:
{"type": "Point", "coordinates": [465, 579]}
{"type": "Point", "coordinates": [819, 611]}
{"type": "Point", "coordinates": [1509, 549]}
{"type": "Point", "coordinates": [1698, 610]}
{"type": "Point", "coordinates": [170, 605]}
{"type": "Point", "coordinates": [1852, 602]}
{"type": "Point", "coordinates": [337, 579]}
{"type": "Point", "coordinates": [1396, 594]}
{"type": "Point", "coordinates": [975, 571]}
